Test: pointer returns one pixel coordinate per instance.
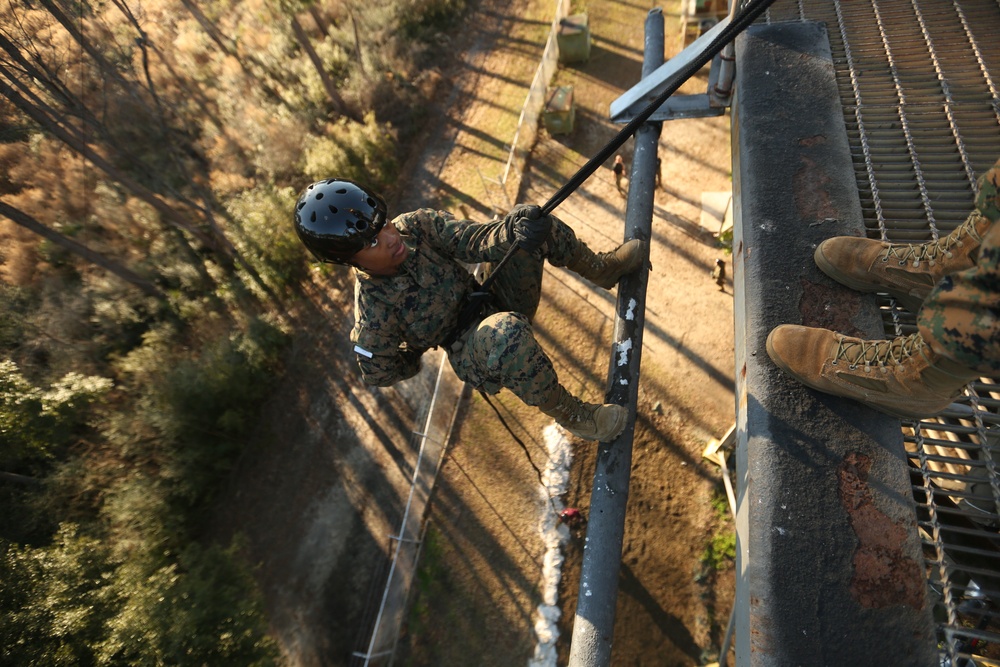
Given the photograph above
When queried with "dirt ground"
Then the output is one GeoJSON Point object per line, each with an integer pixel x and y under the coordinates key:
{"type": "Point", "coordinates": [317, 497]}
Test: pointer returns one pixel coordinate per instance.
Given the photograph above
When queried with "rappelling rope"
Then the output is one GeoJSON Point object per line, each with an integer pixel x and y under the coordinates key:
{"type": "Point", "coordinates": [519, 441]}
{"type": "Point", "coordinates": [538, 472]}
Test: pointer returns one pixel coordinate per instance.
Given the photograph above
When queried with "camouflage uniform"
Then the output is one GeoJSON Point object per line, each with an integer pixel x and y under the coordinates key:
{"type": "Point", "coordinates": [398, 317]}
{"type": "Point", "coordinates": [961, 317]}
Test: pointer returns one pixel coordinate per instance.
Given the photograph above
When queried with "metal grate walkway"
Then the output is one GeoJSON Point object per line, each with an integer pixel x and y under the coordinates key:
{"type": "Point", "coordinates": [918, 81]}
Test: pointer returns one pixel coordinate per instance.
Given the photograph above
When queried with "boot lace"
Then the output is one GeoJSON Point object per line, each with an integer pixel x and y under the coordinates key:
{"type": "Point", "coordinates": [934, 250]}
{"type": "Point", "coordinates": [574, 409]}
{"type": "Point", "coordinates": [878, 353]}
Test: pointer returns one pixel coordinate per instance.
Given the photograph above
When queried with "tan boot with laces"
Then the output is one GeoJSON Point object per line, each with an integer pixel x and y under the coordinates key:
{"type": "Point", "coordinates": [585, 420]}
{"type": "Point", "coordinates": [907, 272]}
{"type": "Point", "coordinates": [607, 268]}
{"type": "Point", "coordinates": [903, 377]}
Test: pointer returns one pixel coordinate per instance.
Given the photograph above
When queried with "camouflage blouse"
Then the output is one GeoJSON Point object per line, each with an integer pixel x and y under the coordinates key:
{"type": "Point", "coordinates": [397, 318]}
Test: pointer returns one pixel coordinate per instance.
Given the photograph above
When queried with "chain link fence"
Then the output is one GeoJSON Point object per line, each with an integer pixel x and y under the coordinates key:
{"type": "Point", "coordinates": [405, 552]}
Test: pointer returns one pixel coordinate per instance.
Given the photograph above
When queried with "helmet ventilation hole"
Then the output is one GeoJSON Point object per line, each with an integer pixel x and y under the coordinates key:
{"type": "Point", "coordinates": [312, 217]}
{"type": "Point", "coordinates": [319, 195]}
{"type": "Point", "coordinates": [333, 209]}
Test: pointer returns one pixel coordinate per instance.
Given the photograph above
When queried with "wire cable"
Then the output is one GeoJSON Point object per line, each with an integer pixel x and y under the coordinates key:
{"type": "Point", "coordinates": [518, 440]}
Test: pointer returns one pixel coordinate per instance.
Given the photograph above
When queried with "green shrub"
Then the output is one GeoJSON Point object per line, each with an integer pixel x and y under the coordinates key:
{"type": "Point", "coordinates": [721, 551]}
{"type": "Point", "coordinates": [72, 603]}
{"type": "Point", "coordinates": [430, 585]}
{"type": "Point", "coordinates": [33, 421]}
{"type": "Point", "coordinates": [54, 601]}
{"type": "Point", "coordinates": [423, 18]}
{"type": "Point", "coordinates": [725, 241]}
{"type": "Point", "coordinates": [15, 304]}
{"type": "Point", "coordinates": [192, 413]}
{"type": "Point", "coordinates": [266, 237]}
{"type": "Point", "coordinates": [362, 152]}
{"type": "Point", "coordinates": [720, 503]}
{"type": "Point", "coordinates": [199, 610]}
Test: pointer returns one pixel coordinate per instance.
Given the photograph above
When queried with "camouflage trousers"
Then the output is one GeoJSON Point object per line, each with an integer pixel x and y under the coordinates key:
{"type": "Point", "coordinates": [501, 351]}
{"type": "Point", "coordinates": [961, 317]}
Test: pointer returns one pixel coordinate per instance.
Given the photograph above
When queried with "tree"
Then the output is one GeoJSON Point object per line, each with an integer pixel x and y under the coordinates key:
{"type": "Point", "coordinates": [339, 105]}
{"type": "Point", "coordinates": [33, 422]}
{"type": "Point", "coordinates": [53, 122]}
{"type": "Point", "coordinates": [31, 224]}
{"type": "Point", "coordinates": [27, 66]}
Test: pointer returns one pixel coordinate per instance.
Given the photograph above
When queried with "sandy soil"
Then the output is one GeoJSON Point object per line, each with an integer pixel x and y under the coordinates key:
{"type": "Point", "coordinates": [324, 486]}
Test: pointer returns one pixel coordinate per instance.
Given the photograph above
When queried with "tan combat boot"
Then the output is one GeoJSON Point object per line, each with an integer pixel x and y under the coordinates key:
{"type": "Point", "coordinates": [606, 269]}
{"type": "Point", "coordinates": [907, 272]}
{"type": "Point", "coordinates": [585, 420]}
{"type": "Point", "coordinates": [903, 377]}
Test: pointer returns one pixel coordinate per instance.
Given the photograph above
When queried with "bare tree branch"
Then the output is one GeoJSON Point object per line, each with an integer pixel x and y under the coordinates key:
{"type": "Point", "coordinates": [31, 224]}
{"type": "Point", "coordinates": [47, 119]}
{"type": "Point", "coordinates": [339, 105]}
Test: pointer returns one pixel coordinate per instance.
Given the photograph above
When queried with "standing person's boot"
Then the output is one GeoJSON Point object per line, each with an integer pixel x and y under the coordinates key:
{"type": "Point", "coordinates": [903, 377]}
{"type": "Point", "coordinates": [606, 269]}
{"type": "Point", "coordinates": [907, 272]}
{"type": "Point", "coordinates": [585, 420]}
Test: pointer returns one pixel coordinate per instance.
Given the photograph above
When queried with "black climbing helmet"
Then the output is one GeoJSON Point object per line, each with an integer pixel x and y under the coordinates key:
{"type": "Point", "coordinates": [336, 218]}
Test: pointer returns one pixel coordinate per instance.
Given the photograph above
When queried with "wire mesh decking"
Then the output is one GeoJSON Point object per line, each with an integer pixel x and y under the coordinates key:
{"type": "Point", "coordinates": [918, 81]}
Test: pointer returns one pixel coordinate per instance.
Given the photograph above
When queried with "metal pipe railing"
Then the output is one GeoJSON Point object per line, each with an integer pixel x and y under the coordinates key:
{"type": "Point", "coordinates": [722, 91]}
{"type": "Point", "coordinates": [593, 627]}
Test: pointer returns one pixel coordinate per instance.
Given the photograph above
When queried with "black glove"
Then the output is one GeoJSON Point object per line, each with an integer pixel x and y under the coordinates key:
{"type": "Point", "coordinates": [529, 226]}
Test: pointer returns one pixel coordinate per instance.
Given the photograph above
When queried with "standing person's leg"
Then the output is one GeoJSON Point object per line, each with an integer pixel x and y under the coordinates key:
{"type": "Point", "coordinates": [960, 320]}
{"type": "Point", "coordinates": [919, 375]}
{"type": "Point", "coordinates": [906, 271]}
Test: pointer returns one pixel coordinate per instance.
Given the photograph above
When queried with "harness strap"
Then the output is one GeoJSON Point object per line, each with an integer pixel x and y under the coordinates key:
{"type": "Point", "coordinates": [473, 310]}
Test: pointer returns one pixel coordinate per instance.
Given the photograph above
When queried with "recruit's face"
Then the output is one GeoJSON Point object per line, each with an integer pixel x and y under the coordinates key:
{"type": "Point", "coordinates": [384, 257]}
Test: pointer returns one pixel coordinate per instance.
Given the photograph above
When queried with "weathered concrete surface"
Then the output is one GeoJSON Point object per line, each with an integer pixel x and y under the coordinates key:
{"type": "Point", "coordinates": [829, 564]}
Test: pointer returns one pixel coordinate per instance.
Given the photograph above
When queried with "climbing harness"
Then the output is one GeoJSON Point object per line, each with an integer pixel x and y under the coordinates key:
{"type": "Point", "coordinates": [477, 300]}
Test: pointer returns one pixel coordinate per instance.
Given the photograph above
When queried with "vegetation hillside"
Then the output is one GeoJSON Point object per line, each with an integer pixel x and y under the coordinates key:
{"type": "Point", "coordinates": [151, 152]}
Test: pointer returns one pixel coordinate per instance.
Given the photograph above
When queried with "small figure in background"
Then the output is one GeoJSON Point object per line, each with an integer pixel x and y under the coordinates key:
{"type": "Point", "coordinates": [619, 170]}
{"type": "Point", "coordinates": [659, 172]}
{"type": "Point", "coordinates": [573, 518]}
{"type": "Point", "coordinates": [719, 274]}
